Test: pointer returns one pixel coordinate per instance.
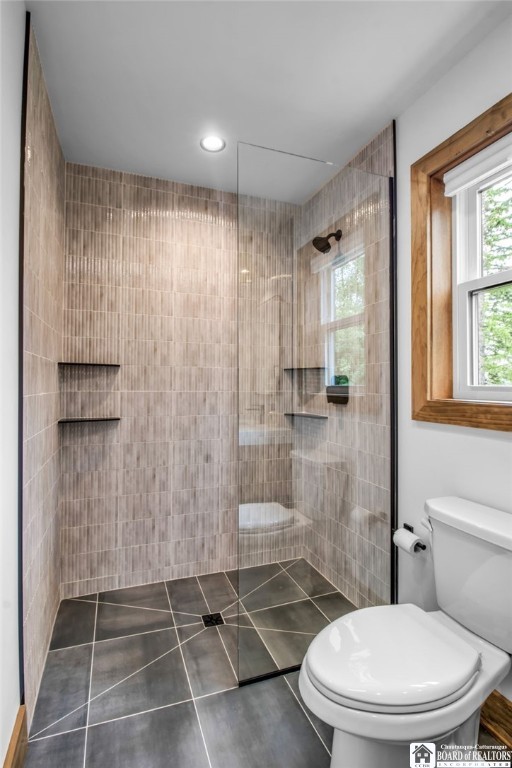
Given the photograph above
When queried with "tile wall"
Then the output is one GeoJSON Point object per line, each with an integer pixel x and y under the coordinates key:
{"type": "Point", "coordinates": [43, 270]}
{"type": "Point", "coordinates": [341, 466]}
{"type": "Point", "coordinates": [265, 342]}
{"type": "Point", "coordinates": [150, 284]}
{"type": "Point", "coordinates": [334, 471]}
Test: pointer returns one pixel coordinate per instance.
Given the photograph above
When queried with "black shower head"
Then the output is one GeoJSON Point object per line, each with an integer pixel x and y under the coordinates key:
{"type": "Point", "coordinates": [323, 245]}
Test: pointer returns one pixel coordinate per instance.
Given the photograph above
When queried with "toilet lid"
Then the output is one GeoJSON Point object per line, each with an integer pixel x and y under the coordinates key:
{"type": "Point", "coordinates": [391, 658]}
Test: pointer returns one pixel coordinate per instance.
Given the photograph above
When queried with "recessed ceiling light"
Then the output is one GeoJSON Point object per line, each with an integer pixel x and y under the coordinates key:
{"type": "Point", "coordinates": [213, 143]}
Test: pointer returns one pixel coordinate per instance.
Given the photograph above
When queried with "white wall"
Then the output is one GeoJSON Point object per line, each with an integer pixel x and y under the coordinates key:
{"type": "Point", "coordinates": [436, 460]}
{"type": "Point", "coordinates": [12, 32]}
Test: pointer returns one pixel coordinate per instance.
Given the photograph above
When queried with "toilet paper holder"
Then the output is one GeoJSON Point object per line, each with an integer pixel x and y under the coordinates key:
{"type": "Point", "coordinates": [420, 546]}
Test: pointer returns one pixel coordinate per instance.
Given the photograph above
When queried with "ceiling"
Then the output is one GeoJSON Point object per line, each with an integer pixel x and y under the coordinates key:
{"type": "Point", "coordinates": [135, 85]}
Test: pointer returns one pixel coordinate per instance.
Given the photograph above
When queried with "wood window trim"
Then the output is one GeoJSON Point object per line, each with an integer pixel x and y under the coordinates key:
{"type": "Point", "coordinates": [431, 224]}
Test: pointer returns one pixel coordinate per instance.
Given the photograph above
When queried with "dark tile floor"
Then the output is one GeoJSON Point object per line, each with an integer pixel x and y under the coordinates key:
{"type": "Point", "coordinates": [134, 679]}
{"type": "Point", "coordinates": [282, 607]}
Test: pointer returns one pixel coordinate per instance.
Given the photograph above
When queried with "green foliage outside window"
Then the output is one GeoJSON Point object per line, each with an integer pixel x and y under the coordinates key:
{"type": "Point", "coordinates": [348, 298]}
{"type": "Point", "coordinates": [495, 304]}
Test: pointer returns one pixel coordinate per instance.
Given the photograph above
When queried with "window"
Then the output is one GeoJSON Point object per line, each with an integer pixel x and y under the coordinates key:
{"type": "Point", "coordinates": [343, 319]}
{"type": "Point", "coordinates": [481, 192]}
{"type": "Point", "coordinates": [436, 396]}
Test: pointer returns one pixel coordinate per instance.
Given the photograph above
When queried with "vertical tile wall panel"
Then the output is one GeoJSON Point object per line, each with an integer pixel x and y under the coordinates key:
{"type": "Point", "coordinates": [341, 467]}
{"type": "Point", "coordinates": [265, 343]}
{"type": "Point", "coordinates": [42, 318]}
{"type": "Point", "coordinates": [150, 283]}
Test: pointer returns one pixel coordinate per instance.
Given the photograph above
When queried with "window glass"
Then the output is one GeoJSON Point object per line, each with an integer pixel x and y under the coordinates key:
{"type": "Point", "coordinates": [348, 354]}
{"type": "Point", "coordinates": [343, 316]}
{"type": "Point", "coordinates": [348, 288]}
{"type": "Point", "coordinates": [496, 226]}
{"type": "Point", "coordinates": [493, 308]}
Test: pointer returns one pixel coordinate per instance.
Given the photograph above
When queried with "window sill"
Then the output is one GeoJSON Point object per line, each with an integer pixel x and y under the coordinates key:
{"type": "Point", "coordinates": [466, 413]}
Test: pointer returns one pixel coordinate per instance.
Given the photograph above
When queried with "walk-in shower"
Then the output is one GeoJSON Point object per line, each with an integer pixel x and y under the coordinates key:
{"type": "Point", "coordinates": [314, 480]}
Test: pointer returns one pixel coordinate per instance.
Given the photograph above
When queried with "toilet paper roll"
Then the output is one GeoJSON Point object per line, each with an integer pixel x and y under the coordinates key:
{"type": "Point", "coordinates": [407, 541]}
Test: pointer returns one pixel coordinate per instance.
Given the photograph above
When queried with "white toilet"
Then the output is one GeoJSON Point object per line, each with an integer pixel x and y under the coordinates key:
{"type": "Point", "coordinates": [387, 676]}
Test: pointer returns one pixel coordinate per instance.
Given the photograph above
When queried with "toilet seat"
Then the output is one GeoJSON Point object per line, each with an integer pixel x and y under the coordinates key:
{"type": "Point", "coordinates": [391, 659]}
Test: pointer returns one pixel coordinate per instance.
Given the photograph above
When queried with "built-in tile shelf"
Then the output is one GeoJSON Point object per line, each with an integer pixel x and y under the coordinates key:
{"type": "Point", "coordinates": [98, 365]}
{"type": "Point", "coordinates": [81, 419]}
{"type": "Point", "coordinates": [309, 379]}
{"type": "Point", "coordinates": [305, 415]}
{"type": "Point", "coordinates": [305, 368]}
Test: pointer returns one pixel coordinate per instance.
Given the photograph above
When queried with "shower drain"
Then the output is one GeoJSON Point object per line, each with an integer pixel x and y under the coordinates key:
{"type": "Point", "coordinates": [212, 619]}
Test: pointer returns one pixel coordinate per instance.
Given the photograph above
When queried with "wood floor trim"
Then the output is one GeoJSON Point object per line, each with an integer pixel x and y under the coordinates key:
{"type": "Point", "coordinates": [496, 717]}
{"type": "Point", "coordinates": [15, 757]}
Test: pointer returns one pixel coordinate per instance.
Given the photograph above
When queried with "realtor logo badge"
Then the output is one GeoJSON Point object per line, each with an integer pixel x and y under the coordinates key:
{"type": "Point", "coordinates": [422, 755]}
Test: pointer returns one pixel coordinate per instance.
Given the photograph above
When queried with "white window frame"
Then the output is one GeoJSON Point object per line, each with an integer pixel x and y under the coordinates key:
{"type": "Point", "coordinates": [330, 325]}
{"type": "Point", "coordinates": [463, 184]}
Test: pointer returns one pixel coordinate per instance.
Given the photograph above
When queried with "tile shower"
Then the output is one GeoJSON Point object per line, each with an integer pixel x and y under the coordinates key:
{"type": "Point", "coordinates": [186, 322]}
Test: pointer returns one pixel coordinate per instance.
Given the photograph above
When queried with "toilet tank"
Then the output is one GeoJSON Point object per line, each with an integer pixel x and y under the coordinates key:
{"type": "Point", "coordinates": [472, 553]}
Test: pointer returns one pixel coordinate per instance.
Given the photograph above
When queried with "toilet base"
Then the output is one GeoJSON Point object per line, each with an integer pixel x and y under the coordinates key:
{"type": "Point", "coordinates": [349, 751]}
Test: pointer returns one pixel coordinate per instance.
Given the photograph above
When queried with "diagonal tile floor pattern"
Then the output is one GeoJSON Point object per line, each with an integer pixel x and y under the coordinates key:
{"type": "Point", "coordinates": [280, 612]}
{"type": "Point", "coordinates": [134, 678]}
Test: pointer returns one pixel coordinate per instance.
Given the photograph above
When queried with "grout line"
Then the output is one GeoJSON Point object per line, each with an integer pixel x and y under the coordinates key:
{"type": "Point", "coordinates": [54, 735]}
{"type": "Point", "coordinates": [90, 683]}
{"type": "Point", "coordinates": [216, 693]}
{"type": "Point", "coordinates": [264, 644]}
{"type": "Point", "coordinates": [240, 597]}
{"type": "Point", "coordinates": [189, 685]}
{"type": "Point", "coordinates": [144, 712]}
{"type": "Point", "coordinates": [289, 631]}
{"type": "Point", "coordinates": [334, 587]}
{"type": "Point", "coordinates": [323, 614]}
{"type": "Point", "coordinates": [297, 583]}
{"type": "Point", "coordinates": [56, 722]}
{"type": "Point", "coordinates": [301, 705]}
{"type": "Point", "coordinates": [184, 613]}
{"type": "Point", "coordinates": [184, 642]}
{"type": "Point", "coordinates": [107, 690]}
{"type": "Point", "coordinates": [135, 634]}
{"type": "Point", "coordinates": [281, 605]}
{"type": "Point", "coordinates": [227, 654]}
{"type": "Point", "coordinates": [136, 671]}
{"type": "Point", "coordinates": [67, 647]}
{"type": "Point", "coordinates": [204, 596]}
{"type": "Point", "coordinates": [153, 661]}
{"type": "Point", "coordinates": [326, 594]}
{"type": "Point", "coordinates": [79, 600]}
{"type": "Point", "coordinates": [121, 637]}
{"type": "Point", "coordinates": [312, 597]}
{"type": "Point", "coordinates": [135, 607]}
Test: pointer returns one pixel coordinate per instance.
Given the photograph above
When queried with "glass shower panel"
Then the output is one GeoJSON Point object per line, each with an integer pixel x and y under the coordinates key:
{"type": "Point", "coordinates": [313, 478]}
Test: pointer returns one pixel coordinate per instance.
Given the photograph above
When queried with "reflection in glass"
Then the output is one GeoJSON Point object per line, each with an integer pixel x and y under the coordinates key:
{"type": "Point", "coordinates": [348, 354]}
